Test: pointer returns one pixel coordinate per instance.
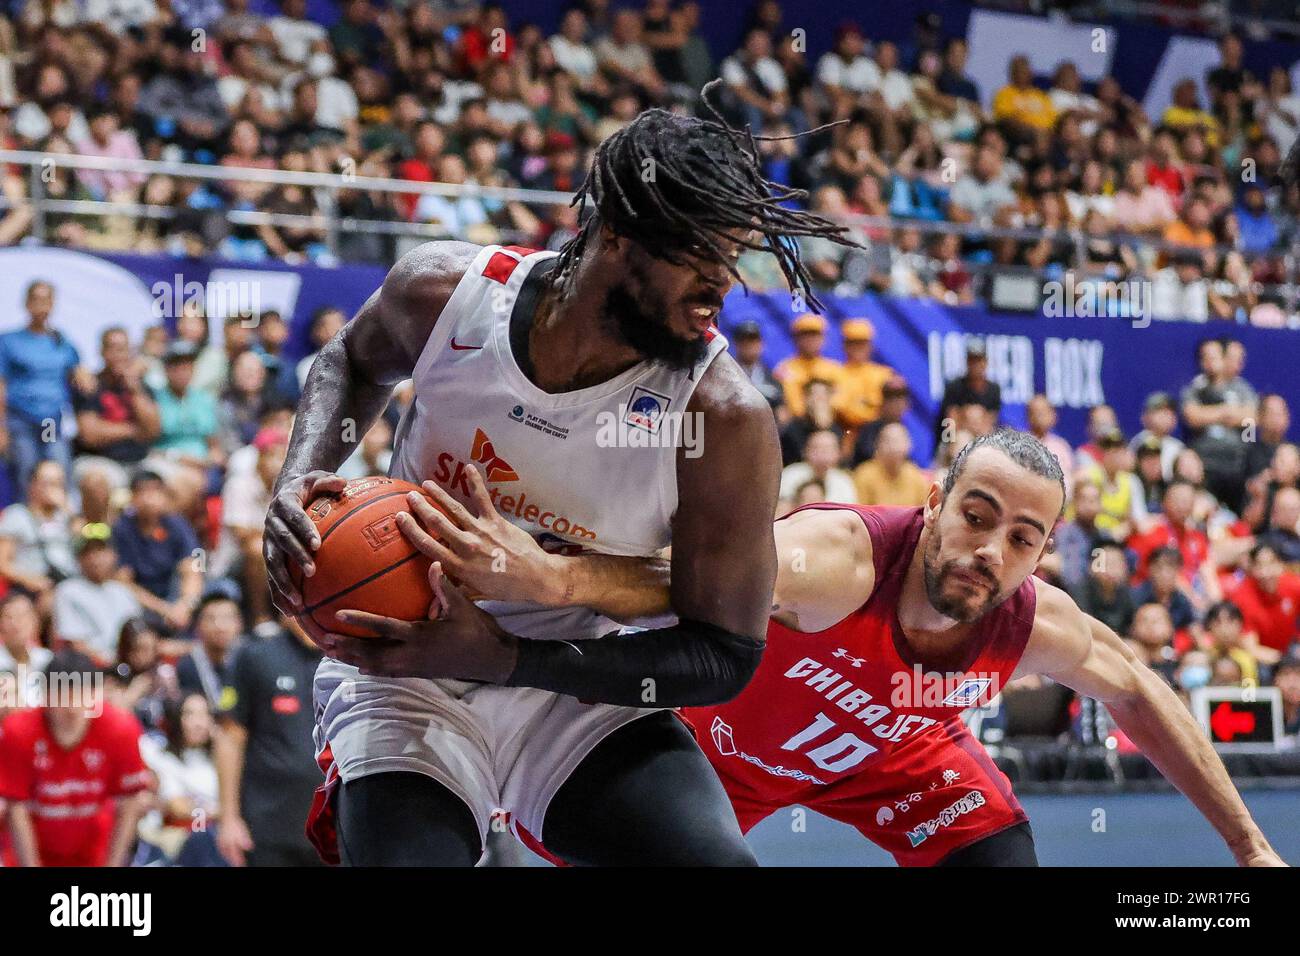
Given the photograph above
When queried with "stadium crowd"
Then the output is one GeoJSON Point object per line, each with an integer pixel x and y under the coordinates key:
{"type": "Point", "coordinates": [132, 545]}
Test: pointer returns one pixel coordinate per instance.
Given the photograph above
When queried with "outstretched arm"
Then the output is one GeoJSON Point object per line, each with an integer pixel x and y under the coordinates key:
{"type": "Point", "coordinates": [1082, 653]}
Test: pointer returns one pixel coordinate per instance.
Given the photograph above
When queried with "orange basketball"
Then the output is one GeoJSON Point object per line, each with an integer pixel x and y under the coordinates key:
{"type": "Point", "coordinates": [364, 562]}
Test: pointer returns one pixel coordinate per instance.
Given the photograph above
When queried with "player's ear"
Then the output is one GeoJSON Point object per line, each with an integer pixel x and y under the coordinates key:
{"type": "Point", "coordinates": [1049, 547]}
{"type": "Point", "coordinates": [933, 504]}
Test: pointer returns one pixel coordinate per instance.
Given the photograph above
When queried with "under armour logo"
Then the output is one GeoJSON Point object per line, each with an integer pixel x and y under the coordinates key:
{"type": "Point", "coordinates": [855, 661]}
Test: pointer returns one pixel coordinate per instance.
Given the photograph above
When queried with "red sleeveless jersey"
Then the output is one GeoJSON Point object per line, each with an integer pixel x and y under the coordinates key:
{"type": "Point", "coordinates": [828, 704]}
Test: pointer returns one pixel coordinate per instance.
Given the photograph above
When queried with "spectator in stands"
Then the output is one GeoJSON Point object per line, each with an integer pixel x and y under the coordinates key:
{"type": "Point", "coordinates": [755, 81]}
{"type": "Point", "coordinates": [1078, 538]}
{"type": "Point", "coordinates": [890, 477]}
{"type": "Point", "coordinates": [1191, 229]}
{"type": "Point", "coordinates": [36, 537]}
{"type": "Point", "coordinates": [20, 635]}
{"type": "Point", "coordinates": [1164, 585]}
{"type": "Point", "coordinates": [67, 807]}
{"type": "Point", "coordinates": [1215, 409]}
{"type": "Point", "coordinates": [1139, 206]}
{"type": "Point", "coordinates": [160, 554]}
{"type": "Point", "coordinates": [1259, 232]}
{"type": "Point", "coordinates": [846, 73]}
{"type": "Point", "coordinates": [982, 195]}
{"type": "Point", "coordinates": [141, 681]}
{"type": "Point", "coordinates": [118, 420]}
{"type": "Point", "coordinates": [187, 793]}
{"type": "Point", "coordinates": [183, 98]}
{"type": "Point", "coordinates": [624, 57]}
{"type": "Point", "coordinates": [1174, 528]}
{"type": "Point", "coordinates": [972, 388]}
{"type": "Point", "coordinates": [895, 401]}
{"type": "Point", "coordinates": [210, 364]}
{"type": "Point", "coordinates": [1159, 419]}
{"type": "Point", "coordinates": [1274, 424]}
{"type": "Point", "coordinates": [1223, 628]}
{"type": "Point", "coordinates": [859, 394]}
{"type": "Point", "coordinates": [1042, 420]}
{"type": "Point", "coordinates": [245, 401]}
{"type": "Point", "coordinates": [1147, 468]}
{"type": "Point", "coordinates": [821, 461]}
{"type": "Point", "coordinates": [1185, 113]}
{"type": "Point", "coordinates": [244, 503]}
{"type": "Point", "coordinates": [1284, 472]}
{"type": "Point", "coordinates": [1269, 598]}
{"type": "Point", "coordinates": [749, 356]}
{"type": "Point", "coordinates": [90, 608]}
{"type": "Point", "coordinates": [809, 332]}
{"type": "Point", "coordinates": [1282, 533]}
{"type": "Point", "coordinates": [1023, 109]}
{"type": "Point", "coordinates": [190, 425]}
{"type": "Point", "coordinates": [1151, 639]}
{"type": "Point", "coordinates": [372, 456]}
{"type": "Point", "coordinates": [325, 324]}
{"type": "Point", "coordinates": [108, 141]}
{"type": "Point", "coordinates": [1105, 593]}
{"type": "Point", "coordinates": [38, 369]}
{"type": "Point", "coordinates": [818, 415]}
{"type": "Point", "coordinates": [219, 636]}
{"type": "Point", "coordinates": [265, 760]}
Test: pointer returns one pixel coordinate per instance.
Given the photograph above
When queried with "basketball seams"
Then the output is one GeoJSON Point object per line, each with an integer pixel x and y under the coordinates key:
{"type": "Point", "coordinates": [313, 608]}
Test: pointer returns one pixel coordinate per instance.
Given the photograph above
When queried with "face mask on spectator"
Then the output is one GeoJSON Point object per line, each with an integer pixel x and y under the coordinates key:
{"type": "Point", "coordinates": [1194, 676]}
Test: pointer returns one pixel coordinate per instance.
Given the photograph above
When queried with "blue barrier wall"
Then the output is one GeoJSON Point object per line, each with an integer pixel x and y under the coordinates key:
{"type": "Point", "coordinates": [1077, 362]}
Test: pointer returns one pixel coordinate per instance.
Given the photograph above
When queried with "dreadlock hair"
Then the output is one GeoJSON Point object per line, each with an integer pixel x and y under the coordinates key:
{"type": "Point", "coordinates": [681, 185]}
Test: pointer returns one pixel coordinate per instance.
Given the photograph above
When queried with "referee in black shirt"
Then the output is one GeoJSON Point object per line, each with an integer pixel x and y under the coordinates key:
{"type": "Point", "coordinates": [265, 757]}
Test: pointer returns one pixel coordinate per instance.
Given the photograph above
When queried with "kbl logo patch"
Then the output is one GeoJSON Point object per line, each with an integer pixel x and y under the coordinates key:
{"type": "Point", "coordinates": [517, 413]}
{"type": "Point", "coordinates": [645, 409]}
{"type": "Point", "coordinates": [967, 692]}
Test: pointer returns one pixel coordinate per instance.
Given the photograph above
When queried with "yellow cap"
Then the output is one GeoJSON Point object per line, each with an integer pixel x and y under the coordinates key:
{"type": "Point", "coordinates": [808, 323]}
{"type": "Point", "coordinates": [857, 330]}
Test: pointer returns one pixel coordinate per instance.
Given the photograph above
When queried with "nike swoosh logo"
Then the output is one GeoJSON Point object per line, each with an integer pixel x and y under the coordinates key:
{"type": "Point", "coordinates": [463, 348]}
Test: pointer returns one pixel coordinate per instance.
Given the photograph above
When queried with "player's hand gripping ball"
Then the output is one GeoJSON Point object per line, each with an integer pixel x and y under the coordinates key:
{"type": "Point", "coordinates": [364, 562]}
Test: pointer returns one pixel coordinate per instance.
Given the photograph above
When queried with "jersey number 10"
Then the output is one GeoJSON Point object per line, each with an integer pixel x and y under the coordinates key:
{"type": "Point", "coordinates": [843, 753]}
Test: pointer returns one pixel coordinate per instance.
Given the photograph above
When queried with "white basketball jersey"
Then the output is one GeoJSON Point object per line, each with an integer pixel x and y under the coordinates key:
{"type": "Point", "coordinates": [593, 469]}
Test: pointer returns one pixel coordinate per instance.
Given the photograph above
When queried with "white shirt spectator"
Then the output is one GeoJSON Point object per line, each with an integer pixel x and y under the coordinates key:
{"type": "Point", "coordinates": [233, 89]}
{"type": "Point", "coordinates": [860, 75]}
{"type": "Point", "coordinates": [575, 58]}
{"type": "Point", "coordinates": [244, 502]}
{"type": "Point", "coordinates": [1174, 299]}
{"type": "Point", "coordinates": [455, 214]}
{"type": "Point", "coordinates": [295, 38]}
{"type": "Point", "coordinates": [769, 71]}
{"type": "Point", "coordinates": [118, 15]}
{"type": "Point", "coordinates": [31, 123]}
{"type": "Point", "coordinates": [1065, 102]}
{"type": "Point", "coordinates": [92, 614]}
{"type": "Point", "coordinates": [896, 88]}
{"type": "Point", "coordinates": [191, 776]}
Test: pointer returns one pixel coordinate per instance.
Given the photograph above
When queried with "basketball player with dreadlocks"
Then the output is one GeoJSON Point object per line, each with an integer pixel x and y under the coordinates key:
{"type": "Point", "coordinates": [524, 364]}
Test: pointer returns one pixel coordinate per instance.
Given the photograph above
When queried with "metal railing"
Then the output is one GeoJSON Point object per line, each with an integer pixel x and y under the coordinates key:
{"type": "Point", "coordinates": [327, 188]}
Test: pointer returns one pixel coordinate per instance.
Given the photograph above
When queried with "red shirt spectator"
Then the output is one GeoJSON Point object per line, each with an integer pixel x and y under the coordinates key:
{"type": "Point", "coordinates": [1269, 599]}
{"type": "Point", "coordinates": [70, 793]}
{"type": "Point", "coordinates": [1173, 531]}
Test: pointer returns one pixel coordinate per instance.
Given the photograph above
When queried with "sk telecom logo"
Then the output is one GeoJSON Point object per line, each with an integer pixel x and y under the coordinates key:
{"type": "Point", "coordinates": [497, 468]}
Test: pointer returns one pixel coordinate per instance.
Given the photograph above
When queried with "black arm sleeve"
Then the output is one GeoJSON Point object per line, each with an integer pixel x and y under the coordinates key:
{"type": "Point", "coordinates": [691, 663]}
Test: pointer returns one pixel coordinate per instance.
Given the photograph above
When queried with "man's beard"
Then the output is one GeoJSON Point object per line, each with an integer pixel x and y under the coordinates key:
{"type": "Point", "coordinates": [641, 321]}
{"type": "Point", "coordinates": [953, 608]}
